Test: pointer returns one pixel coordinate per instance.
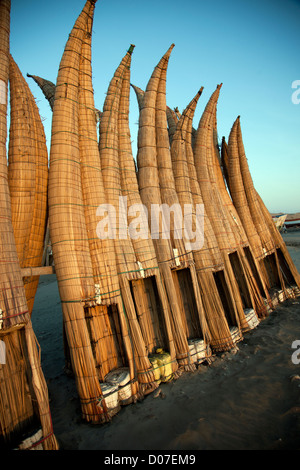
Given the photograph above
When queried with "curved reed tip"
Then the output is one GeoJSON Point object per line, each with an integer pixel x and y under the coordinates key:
{"type": "Point", "coordinates": [200, 91]}
{"type": "Point", "coordinates": [236, 122]}
{"type": "Point", "coordinates": [130, 50]}
{"type": "Point", "coordinates": [28, 75]}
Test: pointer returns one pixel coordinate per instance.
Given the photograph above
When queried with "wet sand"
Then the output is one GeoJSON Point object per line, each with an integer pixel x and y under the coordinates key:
{"type": "Point", "coordinates": [247, 399]}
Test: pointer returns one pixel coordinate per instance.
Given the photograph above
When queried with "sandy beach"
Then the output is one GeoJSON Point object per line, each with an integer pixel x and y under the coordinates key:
{"type": "Point", "coordinates": [247, 399]}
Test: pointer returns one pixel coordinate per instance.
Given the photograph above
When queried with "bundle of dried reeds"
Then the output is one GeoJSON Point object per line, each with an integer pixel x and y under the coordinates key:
{"type": "Point", "coordinates": [288, 268]}
{"type": "Point", "coordinates": [249, 277]}
{"type": "Point", "coordinates": [27, 177]}
{"type": "Point", "coordinates": [193, 318]}
{"type": "Point", "coordinates": [240, 285]}
{"type": "Point", "coordinates": [172, 123]}
{"type": "Point", "coordinates": [259, 268]}
{"type": "Point", "coordinates": [272, 276]}
{"type": "Point", "coordinates": [224, 162]}
{"type": "Point", "coordinates": [153, 147]}
{"type": "Point", "coordinates": [47, 87]}
{"type": "Point", "coordinates": [149, 293]}
{"type": "Point", "coordinates": [126, 265]}
{"type": "Point", "coordinates": [209, 258]}
{"type": "Point", "coordinates": [13, 305]}
{"type": "Point", "coordinates": [134, 257]}
{"type": "Point", "coordinates": [24, 402]}
{"type": "Point", "coordinates": [24, 399]}
{"type": "Point", "coordinates": [189, 193]}
{"type": "Point", "coordinates": [172, 117]}
{"type": "Point", "coordinates": [114, 349]}
{"type": "Point", "coordinates": [67, 223]}
{"type": "Point", "coordinates": [203, 152]}
{"type": "Point", "coordinates": [254, 207]}
{"type": "Point", "coordinates": [109, 157]}
{"type": "Point", "coordinates": [252, 213]}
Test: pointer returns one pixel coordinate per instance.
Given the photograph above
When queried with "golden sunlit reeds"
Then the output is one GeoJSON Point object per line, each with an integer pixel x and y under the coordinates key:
{"type": "Point", "coordinates": [27, 177]}
{"type": "Point", "coordinates": [149, 293]}
{"type": "Point", "coordinates": [13, 303]}
{"type": "Point", "coordinates": [154, 169]}
{"type": "Point", "coordinates": [265, 242]}
{"type": "Point", "coordinates": [160, 261]}
{"type": "Point", "coordinates": [188, 191]}
{"type": "Point", "coordinates": [24, 403]}
{"type": "Point", "coordinates": [68, 232]}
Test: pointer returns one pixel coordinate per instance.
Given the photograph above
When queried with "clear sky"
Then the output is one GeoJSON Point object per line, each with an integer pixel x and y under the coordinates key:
{"type": "Point", "coordinates": [252, 47]}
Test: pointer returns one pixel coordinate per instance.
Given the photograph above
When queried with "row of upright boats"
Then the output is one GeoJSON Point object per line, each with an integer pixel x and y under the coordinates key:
{"type": "Point", "coordinates": [137, 310]}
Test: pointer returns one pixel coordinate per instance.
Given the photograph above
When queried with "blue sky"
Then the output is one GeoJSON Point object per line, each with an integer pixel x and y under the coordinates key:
{"type": "Point", "coordinates": [252, 47]}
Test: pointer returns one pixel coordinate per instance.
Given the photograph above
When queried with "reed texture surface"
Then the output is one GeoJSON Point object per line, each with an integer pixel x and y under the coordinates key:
{"type": "Point", "coordinates": [13, 305]}
{"type": "Point", "coordinates": [27, 177]}
{"type": "Point", "coordinates": [203, 155]}
{"type": "Point", "coordinates": [150, 137]}
{"type": "Point", "coordinates": [47, 87]}
{"type": "Point", "coordinates": [155, 323]}
{"type": "Point", "coordinates": [67, 223]}
{"type": "Point", "coordinates": [132, 289]}
{"type": "Point", "coordinates": [216, 331]}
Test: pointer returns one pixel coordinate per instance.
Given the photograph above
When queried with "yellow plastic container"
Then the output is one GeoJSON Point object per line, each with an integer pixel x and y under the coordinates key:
{"type": "Point", "coordinates": [156, 368]}
{"type": "Point", "coordinates": [165, 364]}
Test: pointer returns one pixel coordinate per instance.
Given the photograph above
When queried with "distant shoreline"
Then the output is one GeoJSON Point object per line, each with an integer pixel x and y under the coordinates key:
{"type": "Point", "coordinates": [294, 215]}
